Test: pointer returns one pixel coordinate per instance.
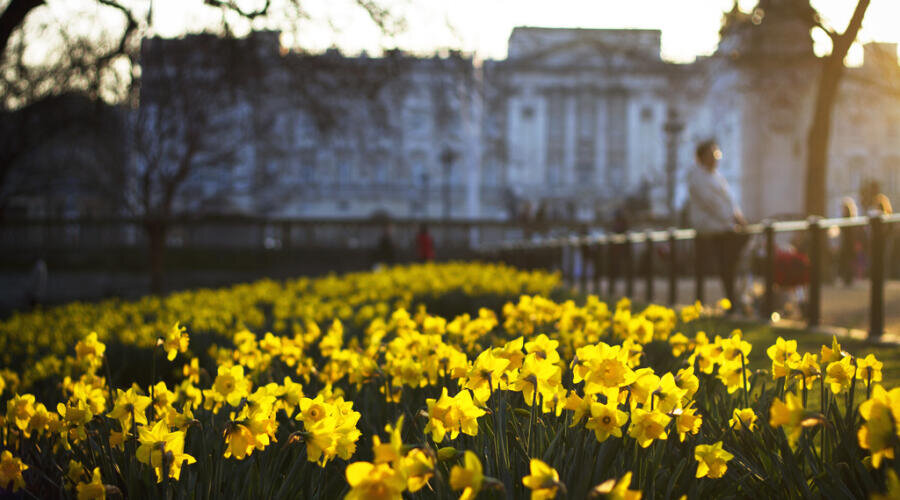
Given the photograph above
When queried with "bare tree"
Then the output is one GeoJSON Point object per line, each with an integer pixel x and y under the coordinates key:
{"type": "Point", "coordinates": [183, 120]}
{"type": "Point", "coordinates": [44, 145]}
{"type": "Point", "coordinates": [819, 136]}
{"type": "Point", "coordinates": [184, 132]}
{"type": "Point", "coordinates": [137, 16]}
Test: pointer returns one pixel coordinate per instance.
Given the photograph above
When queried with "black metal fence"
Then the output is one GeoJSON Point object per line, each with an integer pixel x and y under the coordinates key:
{"type": "Point", "coordinates": [589, 262]}
{"type": "Point", "coordinates": [453, 238]}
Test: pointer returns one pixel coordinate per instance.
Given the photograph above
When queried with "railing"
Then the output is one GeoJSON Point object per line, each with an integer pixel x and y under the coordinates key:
{"type": "Point", "coordinates": [262, 233]}
{"type": "Point", "coordinates": [611, 256]}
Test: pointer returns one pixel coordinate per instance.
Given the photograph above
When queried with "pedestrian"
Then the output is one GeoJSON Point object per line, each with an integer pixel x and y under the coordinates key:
{"type": "Point", "coordinates": [36, 292]}
{"type": "Point", "coordinates": [424, 245]}
{"type": "Point", "coordinates": [849, 238]}
{"type": "Point", "coordinates": [384, 252]}
{"type": "Point", "coordinates": [715, 215]}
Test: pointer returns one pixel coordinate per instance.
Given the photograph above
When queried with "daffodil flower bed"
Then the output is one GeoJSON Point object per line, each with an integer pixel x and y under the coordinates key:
{"type": "Point", "coordinates": [350, 387]}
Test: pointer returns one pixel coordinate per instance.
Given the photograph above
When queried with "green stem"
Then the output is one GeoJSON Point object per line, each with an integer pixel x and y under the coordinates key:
{"type": "Point", "coordinates": [823, 401]}
{"type": "Point", "coordinates": [868, 382]}
{"type": "Point", "coordinates": [744, 375]}
{"type": "Point", "coordinates": [152, 382]}
{"type": "Point", "coordinates": [531, 418]}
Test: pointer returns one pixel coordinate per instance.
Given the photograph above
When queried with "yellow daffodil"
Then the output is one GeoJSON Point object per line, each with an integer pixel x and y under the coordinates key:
{"type": "Point", "coordinates": [19, 410]}
{"type": "Point", "coordinates": [543, 480]}
{"type": "Point", "coordinates": [840, 374]}
{"type": "Point", "coordinates": [452, 415]}
{"type": "Point", "coordinates": [129, 405]}
{"type": "Point", "coordinates": [93, 490]}
{"type": "Point", "coordinates": [647, 426]}
{"type": "Point", "coordinates": [239, 441]}
{"type": "Point", "coordinates": [11, 469]}
{"type": "Point", "coordinates": [191, 371]}
{"type": "Point", "coordinates": [90, 350]}
{"type": "Point", "coordinates": [469, 477]}
{"type": "Point", "coordinates": [687, 421]}
{"type": "Point", "coordinates": [788, 414]}
{"type": "Point", "coordinates": [162, 450]}
{"type": "Point", "coordinates": [743, 418]}
{"type": "Point", "coordinates": [176, 340]}
{"type": "Point", "coordinates": [868, 369]}
{"type": "Point", "coordinates": [880, 433]}
{"type": "Point", "coordinates": [612, 489]}
{"type": "Point", "coordinates": [374, 481]}
{"type": "Point", "coordinates": [418, 468]}
{"type": "Point", "coordinates": [485, 375]}
{"type": "Point", "coordinates": [832, 353]}
{"type": "Point", "coordinates": [229, 386]}
{"type": "Point", "coordinates": [712, 460]}
{"type": "Point", "coordinates": [75, 472]}
{"type": "Point", "coordinates": [782, 354]}
{"type": "Point", "coordinates": [606, 419]}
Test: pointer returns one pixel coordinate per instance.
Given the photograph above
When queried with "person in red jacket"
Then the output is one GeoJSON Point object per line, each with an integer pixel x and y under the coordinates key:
{"type": "Point", "coordinates": [424, 244]}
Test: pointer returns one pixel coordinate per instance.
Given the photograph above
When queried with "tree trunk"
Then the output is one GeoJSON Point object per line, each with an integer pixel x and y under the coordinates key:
{"type": "Point", "coordinates": [156, 237]}
{"type": "Point", "coordinates": [12, 18]}
{"type": "Point", "coordinates": [819, 136]}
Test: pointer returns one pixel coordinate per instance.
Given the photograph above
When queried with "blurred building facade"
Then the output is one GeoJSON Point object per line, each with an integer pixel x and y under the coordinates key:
{"type": "Point", "coordinates": [572, 124]}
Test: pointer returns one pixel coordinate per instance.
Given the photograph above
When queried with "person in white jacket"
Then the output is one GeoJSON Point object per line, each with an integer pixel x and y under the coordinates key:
{"type": "Point", "coordinates": [715, 215]}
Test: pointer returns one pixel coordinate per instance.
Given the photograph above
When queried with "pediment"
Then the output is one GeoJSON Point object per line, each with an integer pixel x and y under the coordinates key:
{"type": "Point", "coordinates": [583, 54]}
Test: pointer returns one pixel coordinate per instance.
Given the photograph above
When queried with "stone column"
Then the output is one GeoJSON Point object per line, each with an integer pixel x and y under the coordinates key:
{"type": "Point", "coordinates": [570, 138]}
{"type": "Point", "coordinates": [540, 117]}
{"type": "Point", "coordinates": [617, 140]}
{"type": "Point", "coordinates": [600, 142]}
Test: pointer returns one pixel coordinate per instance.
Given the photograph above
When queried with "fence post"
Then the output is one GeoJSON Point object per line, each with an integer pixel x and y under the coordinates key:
{"type": "Point", "coordinates": [629, 266]}
{"type": "Point", "coordinates": [769, 272]}
{"type": "Point", "coordinates": [648, 248]}
{"type": "Point", "coordinates": [585, 258]}
{"type": "Point", "coordinates": [285, 235]}
{"type": "Point", "coordinates": [698, 267]}
{"type": "Point", "coordinates": [599, 265]}
{"type": "Point", "coordinates": [876, 276]}
{"type": "Point", "coordinates": [815, 274]}
{"type": "Point", "coordinates": [673, 268]}
{"type": "Point", "coordinates": [553, 258]}
{"type": "Point", "coordinates": [610, 270]}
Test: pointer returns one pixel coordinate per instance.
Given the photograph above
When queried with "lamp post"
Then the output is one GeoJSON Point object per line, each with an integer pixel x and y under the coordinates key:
{"type": "Point", "coordinates": [448, 156]}
{"type": "Point", "coordinates": [672, 127]}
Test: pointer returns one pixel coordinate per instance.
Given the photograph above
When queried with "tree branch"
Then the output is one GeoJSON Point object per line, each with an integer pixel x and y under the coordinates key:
{"type": "Point", "coordinates": [234, 7]}
{"type": "Point", "coordinates": [847, 38]}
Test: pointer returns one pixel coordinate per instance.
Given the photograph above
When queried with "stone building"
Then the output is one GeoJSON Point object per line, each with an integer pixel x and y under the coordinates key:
{"type": "Point", "coordinates": [334, 136]}
{"type": "Point", "coordinates": [572, 124]}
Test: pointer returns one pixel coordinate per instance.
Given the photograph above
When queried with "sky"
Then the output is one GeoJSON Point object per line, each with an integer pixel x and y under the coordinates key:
{"type": "Point", "coordinates": [689, 27]}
